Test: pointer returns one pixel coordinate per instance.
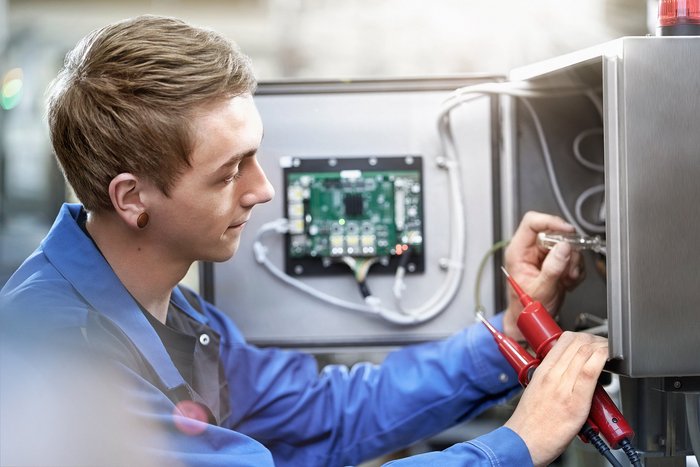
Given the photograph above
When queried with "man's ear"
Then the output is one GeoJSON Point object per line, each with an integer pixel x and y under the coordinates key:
{"type": "Point", "coordinates": [127, 194]}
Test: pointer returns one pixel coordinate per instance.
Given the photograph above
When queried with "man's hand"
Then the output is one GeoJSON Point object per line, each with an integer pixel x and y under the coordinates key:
{"type": "Point", "coordinates": [545, 276]}
{"type": "Point", "coordinates": [557, 401]}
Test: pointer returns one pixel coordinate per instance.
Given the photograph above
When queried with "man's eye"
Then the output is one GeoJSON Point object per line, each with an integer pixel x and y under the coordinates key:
{"type": "Point", "coordinates": [233, 177]}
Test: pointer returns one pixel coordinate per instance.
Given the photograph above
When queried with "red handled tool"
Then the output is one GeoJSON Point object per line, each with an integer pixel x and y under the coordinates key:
{"type": "Point", "coordinates": [523, 363]}
{"type": "Point", "coordinates": [541, 332]}
{"type": "Point", "coordinates": [520, 359]}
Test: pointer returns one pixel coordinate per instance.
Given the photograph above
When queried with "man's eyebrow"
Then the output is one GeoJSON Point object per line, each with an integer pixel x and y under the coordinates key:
{"type": "Point", "coordinates": [235, 159]}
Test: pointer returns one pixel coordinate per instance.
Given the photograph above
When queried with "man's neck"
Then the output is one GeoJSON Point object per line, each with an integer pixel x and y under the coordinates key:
{"type": "Point", "coordinates": [140, 263]}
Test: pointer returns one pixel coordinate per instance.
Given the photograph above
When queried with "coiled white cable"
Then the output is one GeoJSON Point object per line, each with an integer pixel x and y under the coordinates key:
{"type": "Point", "coordinates": [280, 226]}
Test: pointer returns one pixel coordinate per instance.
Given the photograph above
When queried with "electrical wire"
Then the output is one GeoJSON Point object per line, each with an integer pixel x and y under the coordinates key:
{"type": "Point", "coordinates": [594, 438]}
{"type": "Point", "coordinates": [550, 167]}
{"type": "Point", "coordinates": [360, 268]}
{"type": "Point", "coordinates": [577, 149]}
{"type": "Point", "coordinates": [525, 91]}
{"type": "Point", "coordinates": [631, 453]}
{"type": "Point", "coordinates": [583, 197]}
{"type": "Point", "coordinates": [281, 226]}
{"type": "Point", "coordinates": [597, 101]}
{"type": "Point", "coordinates": [371, 307]}
{"type": "Point", "coordinates": [478, 307]}
{"type": "Point", "coordinates": [577, 220]}
{"type": "Point", "coordinates": [510, 88]}
{"type": "Point", "coordinates": [578, 208]}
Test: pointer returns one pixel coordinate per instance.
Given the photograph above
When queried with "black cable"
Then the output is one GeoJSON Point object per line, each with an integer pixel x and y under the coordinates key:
{"type": "Point", "coordinates": [360, 267]}
{"type": "Point", "coordinates": [364, 289]}
{"type": "Point", "coordinates": [405, 256]}
{"type": "Point", "coordinates": [600, 445]}
{"type": "Point", "coordinates": [631, 453]}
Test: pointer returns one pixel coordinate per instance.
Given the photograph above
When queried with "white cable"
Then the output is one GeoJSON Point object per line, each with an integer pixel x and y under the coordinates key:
{"type": "Point", "coordinates": [525, 91]}
{"type": "Point", "coordinates": [550, 167]}
{"type": "Point", "coordinates": [260, 251]}
{"type": "Point", "coordinates": [509, 88]}
{"type": "Point", "coordinates": [579, 208]}
{"type": "Point", "coordinates": [450, 285]}
{"type": "Point", "coordinates": [597, 101]}
{"type": "Point", "coordinates": [577, 149]}
{"type": "Point", "coordinates": [374, 307]}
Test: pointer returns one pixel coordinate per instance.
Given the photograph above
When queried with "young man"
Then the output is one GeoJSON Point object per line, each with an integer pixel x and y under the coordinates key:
{"type": "Point", "coordinates": [154, 125]}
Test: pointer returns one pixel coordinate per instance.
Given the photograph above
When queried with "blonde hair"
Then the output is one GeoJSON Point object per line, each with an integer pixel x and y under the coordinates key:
{"type": "Point", "coordinates": [126, 95]}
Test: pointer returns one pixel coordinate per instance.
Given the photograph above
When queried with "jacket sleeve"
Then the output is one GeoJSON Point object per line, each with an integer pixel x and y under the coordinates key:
{"type": "Point", "coordinates": [500, 448]}
{"type": "Point", "coordinates": [346, 415]}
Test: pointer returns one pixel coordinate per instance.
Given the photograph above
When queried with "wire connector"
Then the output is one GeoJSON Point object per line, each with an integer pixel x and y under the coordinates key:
{"type": "Point", "coordinates": [399, 284]}
{"type": "Point", "coordinates": [260, 252]}
{"type": "Point", "coordinates": [281, 225]}
{"type": "Point", "coordinates": [373, 302]}
{"type": "Point", "coordinates": [448, 263]}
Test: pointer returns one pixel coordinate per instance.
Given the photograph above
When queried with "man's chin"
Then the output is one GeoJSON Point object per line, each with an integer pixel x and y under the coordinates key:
{"type": "Point", "coordinates": [222, 255]}
{"type": "Point", "coordinates": [219, 258]}
{"type": "Point", "coordinates": [223, 250]}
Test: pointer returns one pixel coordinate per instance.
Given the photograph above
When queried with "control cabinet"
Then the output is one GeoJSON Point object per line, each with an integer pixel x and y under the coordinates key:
{"type": "Point", "coordinates": [649, 88]}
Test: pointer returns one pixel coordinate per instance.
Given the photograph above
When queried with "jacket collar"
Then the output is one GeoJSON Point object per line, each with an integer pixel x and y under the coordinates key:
{"type": "Point", "coordinates": [75, 256]}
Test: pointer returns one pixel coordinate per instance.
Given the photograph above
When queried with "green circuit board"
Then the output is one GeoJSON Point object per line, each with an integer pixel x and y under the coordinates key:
{"type": "Point", "coordinates": [354, 212]}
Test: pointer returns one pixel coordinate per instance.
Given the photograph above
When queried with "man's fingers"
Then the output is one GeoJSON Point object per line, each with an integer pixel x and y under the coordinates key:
{"type": "Point", "coordinates": [555, 355]}
{"type": "Point", "coordinates": [556, 263]}
{"type": "Point", "coordinates": [533, 223]}
{"type": "Point", "coordinates": [558, 399]}
{"type": "Point", "coordinates": [576, 272]}
{"type": "Point", "coordinates": [586, 363]}
{"type": "Point", "coordinates": [593, 366]}
{"type": "Point", "coordinates": [554, 269]}
{"type": "Point", "coordinates": [571, 352]}
{"type": "Point", "coordinates": [538, 222]}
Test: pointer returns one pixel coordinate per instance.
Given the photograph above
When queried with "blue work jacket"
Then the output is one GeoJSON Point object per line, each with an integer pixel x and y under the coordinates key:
{"type": "Point", "coordinates": [283, 410]}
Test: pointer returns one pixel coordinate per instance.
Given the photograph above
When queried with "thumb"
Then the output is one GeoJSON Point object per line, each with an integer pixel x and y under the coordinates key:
{"type": "Point", "coordinates": [554, 266]}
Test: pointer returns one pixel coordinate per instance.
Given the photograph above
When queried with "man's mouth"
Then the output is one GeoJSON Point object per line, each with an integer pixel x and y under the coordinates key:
{"type": "Point", "coordinates": [238, 225]}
